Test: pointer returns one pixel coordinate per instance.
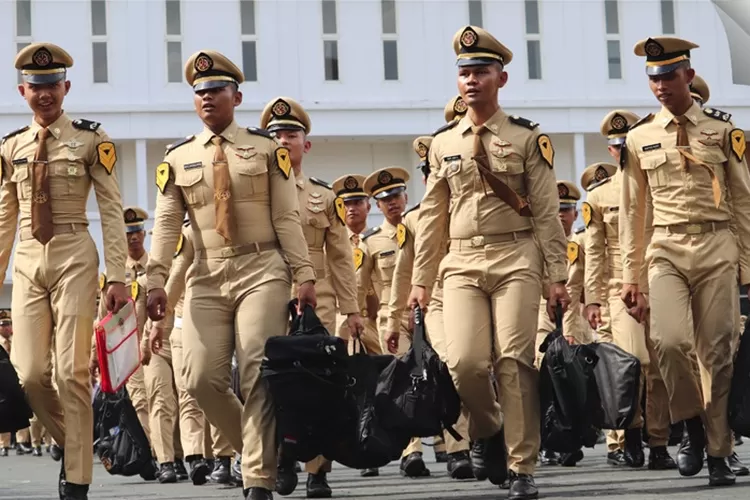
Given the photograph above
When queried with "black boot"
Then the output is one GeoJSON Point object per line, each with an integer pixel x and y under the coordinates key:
{"type": "Point", "coordinates": [236, 472]}
{"type": "Point", "coordinates": [719, 473]}
{"type": "Point", "coordinates": [70, 491]}
{"type": "Point", "coordinates": [317, 486]}
{"type": "Point", "coordinates": [441, 457]}
{"type": "Point", "coordinates": [522, 487]}
{"type": "Point", "coordinates": [180, 470]}
{"type": "Point", "coordinates": [371, 472]}
{"type": "Point", "coordinates": [488, 459]}
{"type": "Point", "coordinates": [221, 473]}
{"type": "Point", "coordinates": [413, 466]}
{"type": "Point", "coordinates": [23, 449]}
{"type": "Point", "coordinates": [634, 448]}
{"type": "Point", "coordinates": [738, 440]}
{"type": "Point", "coordinates": [37, 451]}
{"type": "Point", "coordinates": [55, 452]}
{"type": "Point", "coordinates": [256, 493]}
{"type": "Point", "coordinates": [548, 457]}
{"type": "Point", "coordinates": [459, 465]}
{"type": "Point", "coordinates": [571, 459]}
{"type": "Point", "coordinates": [4, 452]}
{"type": "Point", "coordinates": [616, 458]}
{"type": "Point", "coordinates": [737, 466]}
{"type": "Point", "coordinates": [659, 459]}
{"type": "Point", "coordinates": [199, 470]}
{"type": "Point", "coordinates": [167, 473]}
{"type": "Point", "coordinates": [690, 454]}
{"type": "Point", "coordinates": [286, 476]}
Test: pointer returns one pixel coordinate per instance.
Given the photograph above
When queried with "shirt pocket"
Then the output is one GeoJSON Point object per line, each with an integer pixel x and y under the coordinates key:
{"type": "Point", "coordinates": [69, 179]}
{"type": "Point", "coordinates": [22, 181]}
{"type": "Point", "coordinates": [655, 165]}
{"type": "Point", "coordinates": [314, 228]}
{"type": "Point", "coordinates": [510, 170]}
{"type": "Point", "coordinates": [253, 178]}
{"type": "Point", "coordinates": [193, 190]}
{"type": "Point", "coordinates": [386, 263]}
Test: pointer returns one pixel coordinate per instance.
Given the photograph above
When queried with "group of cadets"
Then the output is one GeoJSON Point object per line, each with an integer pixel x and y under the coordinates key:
{"type": "Point", "coordinates": [489, 254]}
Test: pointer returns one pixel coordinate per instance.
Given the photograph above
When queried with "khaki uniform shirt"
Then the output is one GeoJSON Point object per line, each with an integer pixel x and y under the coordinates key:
{"type": "Point", "coordinates": [327, 241]}
{"type": "Point", "coordinates": [655, 186]}
{"type": "Point", "coordinates": [603, 260]}
{"type": "Point", "coordinates": [457, 197]}
{"type": "Point", "coordinates": [74, 164]}
{"type": "Point", "coordinates": [264, 202]}
{"type": "Point", "coordinates": [573, 323]}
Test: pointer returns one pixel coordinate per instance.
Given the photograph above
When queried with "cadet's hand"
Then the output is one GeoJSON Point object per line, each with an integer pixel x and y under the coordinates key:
{"type": "Point", "coordinates": [156, 303]}
{"type": "Point", "coordinates": [93, 368]}
{"type": "Point", "coordinates": [145, 354]}
{"type": "Point", "coordinates": [391, 340]}
{"type": "Point", "coordinates": [570, 340]}
{"type": "Point", "coordinates": [155, 339]}
{"type": "Point", "coordinates": [629, 294]}
{"type": "Point", "coordinates": [419, 296]}
{"type": "Point", "coordinates": [116, 296]}
{"type": "Point", "coordinates": [306, 296]}
{"type": "Point", "coordinates": [372, 304]}
{"type": "Point", "coordinates": [355, 324]}
{"type": "Point", "coordinates": [640, 310]}
{"type": "Point", "coordinates": [558, 294]}
{"type": "Point", "coordinates": [594, 316]}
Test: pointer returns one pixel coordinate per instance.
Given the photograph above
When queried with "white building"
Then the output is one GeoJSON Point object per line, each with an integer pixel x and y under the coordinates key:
{"type": "Point", "coordinates": [373, 74]}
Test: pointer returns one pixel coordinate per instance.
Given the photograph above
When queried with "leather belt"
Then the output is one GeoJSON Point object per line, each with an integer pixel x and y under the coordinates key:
{"type": "Point", "coordinates": [706, 227]}
{"type": "Point", "coordinates": [219, 253]}
{"type": "Point", "coordinates": [69, 228]}
{"type": "Point", "coordinates": [480, 241]}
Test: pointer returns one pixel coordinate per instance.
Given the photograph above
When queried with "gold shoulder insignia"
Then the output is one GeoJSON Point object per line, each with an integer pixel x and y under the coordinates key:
{"type": "Point", "coordinates": [717, 114]}
{"type": "Point", "coordinates": [359, 257]}
{"type": "Point", "coordinates": [340, 210]}
{"type": "Point", "coordinates": [282, 158]}
{"type": "Point", "coordinates": [523, 122]}
{"type": "Point", "coordinates": [162, 176]}
{"type": "Point", "coordinates": [586, 213]}
{"type": "Point", "coordinates": [107, 155]}
{"type": "Point", "coordinates": [180, 242]}
{"type": "Point", "coordinates": [400, 235]}
{"type": "Point", "coordinates": [134, 289]}
{"type": "Point", "coordinates": [572, 252]}
{"type": "Point", "coordinates": [15, 132]}
{"type": "Point", "coordinates": [737, 136]}
{"type": "Point", "coordinates": [546, 149]}
{"type": "Point", "coordinates": [102, 281]}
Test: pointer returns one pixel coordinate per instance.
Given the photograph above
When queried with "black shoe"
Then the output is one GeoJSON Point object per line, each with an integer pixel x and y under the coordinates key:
{"type": "Point", "coordinates": [55, 452]}
{"type": "Point", "coordinates": [221, 473]}
{"type": "Point", "coordinates": [571, 459]}
{"type": "Point", "coordinates": [317, 486]}
{"type": "Point", "coordinates": [23, 449]}
{"type": "Point", "coordinates": [738, 440]}
{"type": "Point", "coordinates": [634, 456]}
{"type": "Point", "coordinates": [199, 470]}
{"type": "Point", "coordinates": [236, 472]}
{"type": "Point", "coordinates": [180, 470]}
{"type": "Point", "coordinates": [72, 491]}
{"type": "Point", "coordinates": [719, 473]}
{"type": "Point", "coordinates": [167, 473]}
{"type": "Point", "coordinates": [286, 477]}
{"type": "Point", "coordinates": [548, 457]}
{"type": "Point", "coordinates": [150, 471]}
{"type": "Point", "coordinates": [61, 481]}
{"type": "Point", "coordinates": [675, 433]}
{"type": "Point", "coordinates": [522, 487]}
{"type": "Point", "coordinates": [488, 459]}
{"type": "Point", "coordinates": [616, 458]}
{"type": "Point", "coordinates": [659, 459]}
{"type": "Point", "coordinates": [37, 451]}
{"type": "Point", "coordinates": [737, 466]}
{"type": "Point", "coordinates": [459, 465]}
{"type": "Point", "coordinates": [297, 467]}
{"type": "Point", "coordinates": [413, 465]}
{"type": "Point", "coordinates": [371, 472]}
{"type": "Point", "coordinates": [441, 457]}
{"type": "Point", "coordinates": [4, 452]}
{"type": "Point", "coordinates": [690, 454]}
{"type": "Point", "coordinates": [258, 494]}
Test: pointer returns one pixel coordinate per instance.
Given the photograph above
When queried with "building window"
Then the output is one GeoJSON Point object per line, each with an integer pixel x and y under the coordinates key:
{"type": "Point", "coordinates": [99, 40]}
{"type": "Point", "coordinates": [612, 24]}
{"type": "Point", "coordinates": [390, 39]}
{"type": "Point", "coordinates": [174, 41]}
{"type": "Point", "coordinates": [533, 41]}
{"type": "Point", "coordinates": [249, 40]}
{"type": "Point", "coordinates": [475, 12]}
{"type": "Point", "coordinates": [330, 40]}
{"type": "Point", "coordinates": [23, 28]}
{"type": "Point", "coordinates": [667, 17]}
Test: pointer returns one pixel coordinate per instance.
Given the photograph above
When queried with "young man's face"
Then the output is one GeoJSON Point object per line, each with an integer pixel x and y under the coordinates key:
{"type": "Point", "coordinates": [393, 206]}
{"type": "Point", "coordinates": [567, 217]}
{"type": "Point", "coordinates": [296, 142]}
{"type": "Point", "coordinates": [478, 85]}
{"type": "Point", "coordinates": [45, 100]}
{"type": "Point", "coordinates": [357, 211]}
{"type": "Point", "coordinates": [216, 105]}
{"type": "Point", "coordinates": [673, 88]}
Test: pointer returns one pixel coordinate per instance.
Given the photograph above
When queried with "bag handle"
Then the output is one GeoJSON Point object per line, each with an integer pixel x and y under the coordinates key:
{"type": "Point", "coordinates": [305, 323]}
{"type": "Point", "coordinates": [419, 340]}
{"type": "Point", "coordinates": [559, 317]}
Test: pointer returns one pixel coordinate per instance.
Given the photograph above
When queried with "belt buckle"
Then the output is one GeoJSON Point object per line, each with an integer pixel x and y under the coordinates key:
{"type": "Point", "coordinates": [477, 241]}
{"type": "Point", "coordinates": [227, 252]}
{"type": "Point", "coordinates": [694, 229]}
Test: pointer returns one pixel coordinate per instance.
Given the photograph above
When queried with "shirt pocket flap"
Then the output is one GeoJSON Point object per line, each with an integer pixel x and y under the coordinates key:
{"type": "Point", "coordinates": [710, 156]}
{"type": "Point", "coordinates": [188, 178]}
{"type": "Point", "coordinates": [653, 161]}
{"type": "Point", "coordinates": [20, 174]}
{"type": "Point", "coordinates": [252, 168]}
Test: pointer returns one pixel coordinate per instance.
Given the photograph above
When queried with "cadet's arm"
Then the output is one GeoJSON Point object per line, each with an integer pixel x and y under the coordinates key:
{"type": "Point", "coordinates": [739, 186]}
{"type": "Point", "coordinates": [401, 283]}
{"type": "Point", "coordinates": [339, 256]}
{"type": "Point", "coordinates": [634, 211]}
{"type": "Point", "coordinates": [595, 249]}
{"type": "Point", "coordinates": [8, 214]}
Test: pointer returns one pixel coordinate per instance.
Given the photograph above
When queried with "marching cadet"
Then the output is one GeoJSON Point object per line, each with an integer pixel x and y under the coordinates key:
{"type": "Point", "coordinates": [191, 420]}
{"type": "Point", "coordinates": [492, 274]}
{"type": "Point", "coordinates": [249, 244]}
{"type": "Point", "coordinates": [379, 247]}
{"type": "Point", "coordinates": [601, 218]}
{"type": "Point", "coordinates": [323, 223]}
{"type": "Point", "coordinates": [458, 463]}
{"type": "Point", "coordinates": [48, 169]}
{"type": "Point", "coordinates": [679, 168]}
{"type": "Point", "coordinates": [6, 334]}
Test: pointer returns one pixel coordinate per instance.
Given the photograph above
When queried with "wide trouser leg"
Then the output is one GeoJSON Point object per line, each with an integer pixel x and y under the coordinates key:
{"type": "Point", "coordinates": [318, 464]}
{"type": "Point", "coordinates": [23, 435]}
{"type": "Point", "coordinates": [191, 418]}
{"type": "Point", "coordinates": [220, 445]}
{"type": "Point", "coordinates": [162, 405]}
{"type": "Point", "coordinates": [37, 431]}
{"type": "Point", "coordinates": [657, 399]}
{"type": "Point", "coordinates": [136, 387]}
{"type": "Point", "coordinates": [326, 308]}
{"type": "Point", "coordinates": [5, 440]}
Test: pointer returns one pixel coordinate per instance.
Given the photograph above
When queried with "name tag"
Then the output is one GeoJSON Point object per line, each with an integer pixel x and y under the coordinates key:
{"type": "Point", "coordinates": [386, 254]}
{"type": "Point", "coordinates": [651, 147]}
{"type": "Point", "coordinates": [195, 164]}
{"type": "Point", "coordinates": [21, 161]}
{"type": "Point", "coordinates": [452, 158]}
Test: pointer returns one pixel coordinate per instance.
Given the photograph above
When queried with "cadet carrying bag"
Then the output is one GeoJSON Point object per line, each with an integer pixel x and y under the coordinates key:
{"type": "Point", "coordinates": [15, 411]}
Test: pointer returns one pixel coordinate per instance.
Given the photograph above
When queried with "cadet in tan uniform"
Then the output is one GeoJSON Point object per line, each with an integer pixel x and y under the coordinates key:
{"type": "Point", "coordinates": [325, 232]}
{"type": "Point", "coordinates": [249, 244]}
{"type": "Point", "coordinates": [48, 169]}
{"type": "Point", "coordinates": [6, 334]}
{"type": "Point", "coordinates": [601, 217]}
{"type": "Point", "coordinates": [458, 463]}
{"type": "Point", "coordinates": [680, 166]}
{"type": "Point", "coordinates": [492, 275]}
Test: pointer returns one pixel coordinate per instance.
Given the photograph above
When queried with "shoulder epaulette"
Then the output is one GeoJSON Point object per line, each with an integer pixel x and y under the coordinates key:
{"type": "Point", "coordinates": [415, 207]}
{"type": "Point", "coordinates": [82, 124]}
{"type": "Point", "coordinates": [186, 223]}
{"type": "Point", "coordinates": [523, 122]}
{"type": "Point", "coordinates": [370, 232]}
{"type": "Point", "coordinates": [717, 114]}
{"type": "Point", "coordinates": [598, 183]}
{"type": "Point", "coordinates": [15, 132]}
{"type": "Point", "coordinates": [175, 145]}
{"type": "Point", "coordinates": [643, 120]}
{"type": "Point", "coordinates": [260, 131]}
{"type": "Point", "coordinates": [445, 127]}
{"type": "Point", "coordinates": [319, 182]}
{"type": "Point", "coordinates": [580, 230]}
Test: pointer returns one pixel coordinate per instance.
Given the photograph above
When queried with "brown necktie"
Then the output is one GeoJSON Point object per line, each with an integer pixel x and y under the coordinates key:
{"type": "Point", "coordinates": [222, 191]}
{"type": "Point", "coordinates": [41, 201]}
{"type": "Point", "coordinates": [682, 139]}
{"type": "Point", "coordinates": [355, 240]}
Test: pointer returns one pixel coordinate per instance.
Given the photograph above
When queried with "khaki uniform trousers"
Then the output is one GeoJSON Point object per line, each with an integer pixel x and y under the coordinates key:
{"type": "Point", "coordinates": [491, 301]}
{"type": "Point", "coordinates": [136, 386]}
{"type": "Point", "coordinates": [162, 403]}
{"type": "Point", "coordinates": [56, 284]}
{"type": "Point", "coordinates": [37, 432]}
{"type": "Point", "coordinates": [698, 274]}
{"type": "Point", "coordinates": [197, 435]}
{"type": "Point", "coordinates": [236, 303]}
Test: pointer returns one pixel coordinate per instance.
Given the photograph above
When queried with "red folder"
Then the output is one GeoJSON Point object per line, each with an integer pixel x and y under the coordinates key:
{"type": "Point", "coordinates": [117, 347]}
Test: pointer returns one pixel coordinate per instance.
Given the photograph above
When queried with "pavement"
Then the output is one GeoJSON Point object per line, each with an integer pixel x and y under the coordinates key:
{"type": "Point", "coordinates": [34, 478]}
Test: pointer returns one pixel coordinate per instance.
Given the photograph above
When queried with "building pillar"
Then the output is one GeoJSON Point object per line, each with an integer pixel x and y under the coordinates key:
{"type": "Point", "coordinates": [579, 159]}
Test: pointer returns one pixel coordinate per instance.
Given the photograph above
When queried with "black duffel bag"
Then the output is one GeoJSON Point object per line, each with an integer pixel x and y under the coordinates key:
{"type": "Point", "coordinates": [415, 393]}
{"type": "Point", "coordinates": [15, 411]}
{"type": "Point", "coordinates": [306, 375]}
{"type": "Point", "coordinates": [618, 378]}
{"type": "Point", "coordinates": [739, 394]}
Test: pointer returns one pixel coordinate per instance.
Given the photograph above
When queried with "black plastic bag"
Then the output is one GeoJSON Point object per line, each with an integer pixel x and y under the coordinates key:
{"type": "Point", "coordinates": [15, 411]}
{"type": "Point", "coordinates": [618, 378]}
